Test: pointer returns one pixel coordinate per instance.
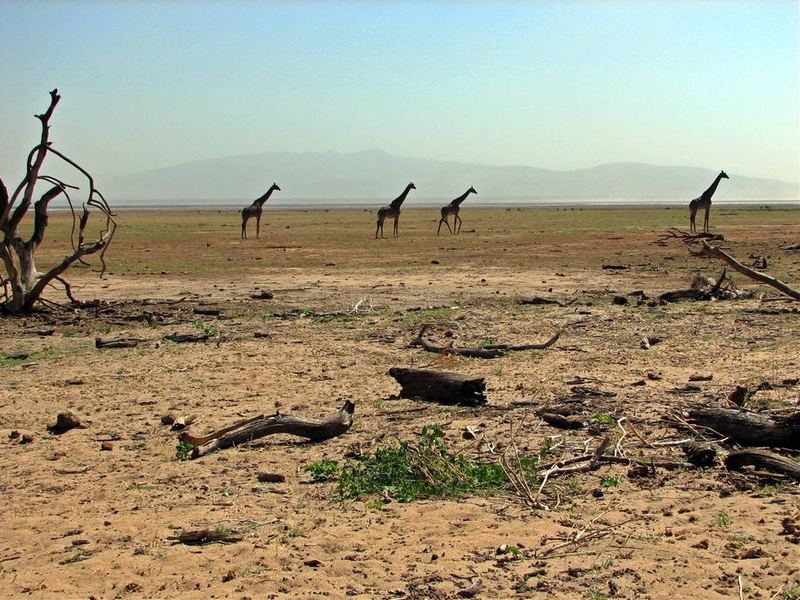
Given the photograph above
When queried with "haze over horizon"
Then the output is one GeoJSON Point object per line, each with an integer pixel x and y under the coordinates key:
{"type": "Point", "coordinates": [551, 85]}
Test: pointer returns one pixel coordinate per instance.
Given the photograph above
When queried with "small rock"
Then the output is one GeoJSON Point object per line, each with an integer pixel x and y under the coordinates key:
{"type": "Point", "coordinates": [14, 434]}
{"type": "Point", "coordinates": [229, 576]}
{"type": "Point", "coordinates": [597, 493]}
{"type": "Point", "coordinates": [435, 262]}
{"type": "Point", "coordinates": [654, 376]}
{"type": "Point", "coordinates": [312, 562]}
{"type": "Point", "coordinates": [106, 446]}
{"type": "Point", "coordinates": [167, 419]}
{"type": "Point", "coordinates": [64, 422]}
{"type": "Point", "coordinates": [620, 300]}
{"type": "Point", "coordinates": [75, 381]}
{"type": "Point", "coordinates": [639, 383]}
{"type": "Point", "coordinates": [25, 439]}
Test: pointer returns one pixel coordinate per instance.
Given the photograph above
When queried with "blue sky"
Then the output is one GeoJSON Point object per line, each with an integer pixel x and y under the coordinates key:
{"type": "Point", "coordinates": [555, 85]}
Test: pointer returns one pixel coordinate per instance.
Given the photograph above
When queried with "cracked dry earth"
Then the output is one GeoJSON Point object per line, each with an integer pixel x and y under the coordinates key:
{"type": "Point", "coordinates": [82, 522]}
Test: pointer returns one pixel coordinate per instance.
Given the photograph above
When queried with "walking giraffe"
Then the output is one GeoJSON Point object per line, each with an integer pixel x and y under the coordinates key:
{"type": "Point", "coordinates": [255, 210]}
{"type": "Point", "coordinates": [393, 210]}
{"type": "Point", "coordinates": [452, 209]}
{"type": "Point", "coordinates": [704, 202]}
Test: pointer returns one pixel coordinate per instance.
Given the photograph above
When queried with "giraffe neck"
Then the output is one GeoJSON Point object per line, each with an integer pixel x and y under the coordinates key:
{"type": "Point", "coordinates": [460, 199]}
{"type": "Point", "coordinates": [395, 204]}
{"type": "Point", "coordinates": [260, 201]}
{"type": "Point", "coordinates": [712, 188]}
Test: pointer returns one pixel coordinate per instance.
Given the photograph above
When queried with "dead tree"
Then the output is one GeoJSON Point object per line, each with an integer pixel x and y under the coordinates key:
{"type": "Point", "coordinates": [750, 428]}
{"type": "Point", "coordinates": [22, 284]}
{"type": "Point", "coordinates": [745, 270]}
{"type": "Point", "coordinates": [250, 429]}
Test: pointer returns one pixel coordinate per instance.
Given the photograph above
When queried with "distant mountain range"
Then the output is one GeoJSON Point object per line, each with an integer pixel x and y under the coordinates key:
{"type": "Point", "coordinates": [374, 174]}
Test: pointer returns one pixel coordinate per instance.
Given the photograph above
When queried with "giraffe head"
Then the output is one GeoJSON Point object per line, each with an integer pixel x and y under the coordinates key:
{"type": "Point", "coordinates": [411, 186]}
{"type": "Point", "coordinates": [275, 187]}
{"type": "Point", "coordinates": [723, 175]}
{"type": "Point", "coordinates": [471, 190]}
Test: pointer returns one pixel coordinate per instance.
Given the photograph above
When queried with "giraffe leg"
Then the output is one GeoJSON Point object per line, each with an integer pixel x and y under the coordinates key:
{"type": "Point", "coordinates": [244, 229]}
{"type": "Point", "coordinates": [692, 214]}
{"type": "Point", "coordinates": [396, 230]}
{"type": "Point", "coordinates": [379, 228]}
{"type": "Point", "coordinates": [258, 226]}
{"type": "Point", "coordinates": [459, 224]}
{"type": "Point", "coordinates": [705, 220]}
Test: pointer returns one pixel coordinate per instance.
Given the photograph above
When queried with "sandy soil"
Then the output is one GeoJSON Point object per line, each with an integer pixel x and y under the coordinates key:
{"type": "Point", "coordinates": [80, 522]}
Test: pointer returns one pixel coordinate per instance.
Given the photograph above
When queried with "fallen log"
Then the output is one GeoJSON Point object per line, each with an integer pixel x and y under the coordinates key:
{"type": "Point", "coordinates": [561, 421]}
{"type": "Point", "coordinates": [489, 351]}
{"type": "Point", "coordinates": [749, 428]}
{"type": "Point", "coordinates": [753, 274]}
{"type": "Point", "coordinates": [440, 387]}
{"type": "Point", "coordinates": [121, 342]}
{"type": "Point", "coordinates": [250, 429]}
{"type": "Point", "coordinates": [201, 537]}
{"type": "Point", "coordinates": [183, 338]}
{"type": "Point", "coordinates": [764, 460]}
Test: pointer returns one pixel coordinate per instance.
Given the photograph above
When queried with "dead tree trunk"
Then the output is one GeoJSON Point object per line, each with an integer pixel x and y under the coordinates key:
{"type": "Point", "coordinates": [745, 270]}
{"type": "Point", "coordinates": [765, 460]}
{"type": "Point", "coordinates": [440, 387]}
{"type": "Point", "coordinates": [749, 428]}
{"type": "Point", "coordinates": [26, 284]}
{"type": "Point", "coordinates": [258, 427]}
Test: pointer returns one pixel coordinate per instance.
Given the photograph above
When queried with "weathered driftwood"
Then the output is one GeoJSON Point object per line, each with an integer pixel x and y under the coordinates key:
{"type": "Point", "coordinates": [201, 537]}
{"type": "Point", "coordinates": [488, 351]}
{"type": "Point", "coordinates": [121, 342]}
{"type": "Point", "coordinates": [749, 428]}
{"type": "Point", "coordinates": [763, 460]}
{"type": "Point", "coordinates": [440, 387]}
{"type": "Point", "coordinates": [745, 270]}
{"type": "Point", "coordinates": [264, 425]}
{"type": "Point", "coordinates": [791, 247]}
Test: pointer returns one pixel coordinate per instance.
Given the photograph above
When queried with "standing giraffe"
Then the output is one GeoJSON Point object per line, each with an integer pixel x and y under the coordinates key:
{"type": "Point", "coordinates": [255, 209]}
{"type": "Point", "coordinates": [393, 210]}
{"type": "Point", "coordinates": [452, 209]}
{"type": "Point", "coordinates": [704, 202]}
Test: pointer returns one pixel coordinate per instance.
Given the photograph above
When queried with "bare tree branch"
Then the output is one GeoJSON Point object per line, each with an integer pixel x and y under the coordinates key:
{"type": "Point", "coordinates": [753, 274]}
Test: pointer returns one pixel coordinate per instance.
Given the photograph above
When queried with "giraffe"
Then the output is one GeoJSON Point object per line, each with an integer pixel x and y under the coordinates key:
{"type": "Point", "coordinates": [704, 202]}
{"type": "Point", "coordinates": [393, 210]}
{"type": "Point", "coordinates": [452, 209]}
{"type": "Point", "coordinates": [255, 209]}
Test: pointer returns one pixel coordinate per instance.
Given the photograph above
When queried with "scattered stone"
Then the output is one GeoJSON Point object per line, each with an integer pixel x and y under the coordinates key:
{"type": "Point", "coordinates": [14, 434]}
{"type": "Point", "coordinates": [472, 590]}
{"type": "Point", "coordinates": [261, 295]}
{"type": "Point", "coordinates": [654, 376]}
{"type": "Point", "coordinates": [26, 439]}
{"type": "Point", "coordinates": [75, 381]}
{"type": "Point", "coordinates": [312, 562]}
{"type": "Point", "coordinates": [106, 446]}
{"type": "Point", "coordinates": [271, 477]}
{"type": "Point", "coordinates": [435, 262]}
{"type": "Point", "coordinates": [229, 576]}
{"type": "Point", "coordinates": [64, 422]}
{"type": "Point", "coordinates": [700, 377]}
{"type": "Point", "coordinates": [620, 300]}
{"type": "Point", "coordinates": [639, 383]}
{"type": "Point", "coordinates": [167, 419]}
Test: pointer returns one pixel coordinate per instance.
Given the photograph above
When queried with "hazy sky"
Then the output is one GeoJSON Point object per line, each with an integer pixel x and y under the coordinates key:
{"type": "Point", "coordinates": [556, 85]}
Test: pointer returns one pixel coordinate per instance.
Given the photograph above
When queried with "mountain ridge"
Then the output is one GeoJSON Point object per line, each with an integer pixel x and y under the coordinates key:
{"type": "Point", "coordinates": [374, 173]}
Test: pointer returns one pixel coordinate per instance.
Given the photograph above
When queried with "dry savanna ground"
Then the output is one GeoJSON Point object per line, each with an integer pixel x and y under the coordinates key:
{"type": "Point", "coordinates": [82, 522]}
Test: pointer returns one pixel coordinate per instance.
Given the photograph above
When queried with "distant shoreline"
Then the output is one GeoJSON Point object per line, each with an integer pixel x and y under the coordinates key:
{"type": "Point", "coordinates": [369, 204]}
